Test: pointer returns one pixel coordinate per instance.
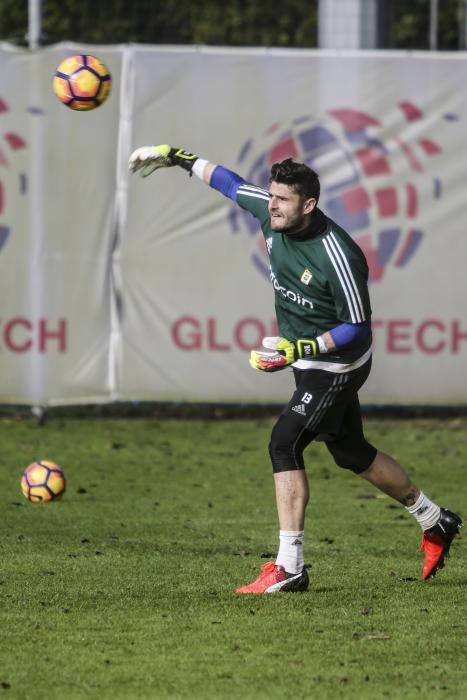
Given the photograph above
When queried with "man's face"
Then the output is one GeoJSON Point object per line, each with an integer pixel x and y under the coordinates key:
{"type": "Point", "coordinates": [289, 212]}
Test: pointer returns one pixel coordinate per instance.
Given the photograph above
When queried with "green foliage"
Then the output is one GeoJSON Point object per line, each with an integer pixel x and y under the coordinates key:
{"type": "Point", "coordinates": [226, 23]}
{"type": "Point", "coordinates": [411, 24]}
{"type": "Point", "coordinates": [124, 590]}
{"type": "Point", "coordinates": [233, 22]}
{"type": "Point", "coordinates": [14, 21]}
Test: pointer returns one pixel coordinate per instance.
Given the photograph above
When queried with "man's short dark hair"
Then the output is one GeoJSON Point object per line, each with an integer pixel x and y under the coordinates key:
{"type": "Point", "coordinates": [299, 176]}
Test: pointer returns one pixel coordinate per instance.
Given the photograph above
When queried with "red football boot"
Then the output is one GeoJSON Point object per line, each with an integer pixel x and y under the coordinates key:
{"type": "Point", "coordinates": [437, 540]}
{"type": "Point", "coordinates": [274, 578]}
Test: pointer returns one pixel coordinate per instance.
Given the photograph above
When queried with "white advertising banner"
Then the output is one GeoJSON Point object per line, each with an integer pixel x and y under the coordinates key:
{"type": "Point", "coordinates": [114, 287]}
{"type": "Point", "coordinates": [387, 135]}
{"type": "Point", "coordinates": [57, 223]}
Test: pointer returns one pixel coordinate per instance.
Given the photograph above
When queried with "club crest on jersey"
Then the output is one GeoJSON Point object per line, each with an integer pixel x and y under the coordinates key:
{"type": "Point", "coordinates": [306, 277]}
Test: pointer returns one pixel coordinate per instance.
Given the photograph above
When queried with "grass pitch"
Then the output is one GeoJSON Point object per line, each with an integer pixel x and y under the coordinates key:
{"type": "Point", "coordinates": [124, 589]}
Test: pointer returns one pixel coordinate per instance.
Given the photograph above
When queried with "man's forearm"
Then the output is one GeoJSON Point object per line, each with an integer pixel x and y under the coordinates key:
{"type": "Point", "coordinates": [204, 170]}
{"type": "Point", "coordinates": [346, 334]}
{"type": "Point", "coordinates": [216, 176]}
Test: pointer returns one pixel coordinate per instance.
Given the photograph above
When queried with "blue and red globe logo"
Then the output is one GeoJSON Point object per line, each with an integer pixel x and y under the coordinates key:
{"type": "Point", "coordinates": [10, 144]}
{"type": "Point", "coordinates": [374, 175]}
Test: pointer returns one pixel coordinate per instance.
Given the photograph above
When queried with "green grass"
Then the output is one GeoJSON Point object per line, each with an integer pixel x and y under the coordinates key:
{"type": "Point", "coordinates": [124, 589]}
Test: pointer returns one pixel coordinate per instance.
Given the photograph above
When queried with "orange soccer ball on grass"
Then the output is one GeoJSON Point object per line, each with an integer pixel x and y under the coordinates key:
{"type": "Point", "coordinates": [43, 481]}
{"type": "Point", "coordinates": [82, 82]}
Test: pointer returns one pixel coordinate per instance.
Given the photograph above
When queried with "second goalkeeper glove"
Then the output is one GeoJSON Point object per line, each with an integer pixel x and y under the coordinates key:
{"type": "Point", "coordinates": [147, 159]}
{"type": "Point", "coordinates": [283, 354]}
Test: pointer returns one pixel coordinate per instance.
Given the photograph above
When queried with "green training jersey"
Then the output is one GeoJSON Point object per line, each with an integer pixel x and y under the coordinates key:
{"type": "Point", "coordinates": [320, 280]}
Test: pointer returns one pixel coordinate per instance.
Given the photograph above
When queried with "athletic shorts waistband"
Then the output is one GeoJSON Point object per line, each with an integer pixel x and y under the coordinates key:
{"type": "Point", "coordinates": [335, 367]}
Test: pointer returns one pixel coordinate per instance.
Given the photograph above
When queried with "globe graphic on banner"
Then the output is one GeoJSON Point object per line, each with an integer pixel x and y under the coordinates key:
{"type": "Point", "coordinates": [11, 144]}
{"type": "Point", "coordinates": [373, 179]}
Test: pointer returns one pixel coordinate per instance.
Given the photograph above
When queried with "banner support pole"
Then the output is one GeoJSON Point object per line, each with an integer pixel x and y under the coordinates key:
{"type": "Point", "coordinates": [34, 24]}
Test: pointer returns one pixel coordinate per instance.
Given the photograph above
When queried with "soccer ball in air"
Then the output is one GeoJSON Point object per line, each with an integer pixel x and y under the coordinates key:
{"type": "Point", "coordinates": [43, 481]}
{"type": "Point", "coordinates": [82, 82]}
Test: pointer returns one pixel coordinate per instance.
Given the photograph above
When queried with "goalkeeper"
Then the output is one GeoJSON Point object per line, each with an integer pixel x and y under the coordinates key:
{"type": "Point", "coordinates": [319, 276]}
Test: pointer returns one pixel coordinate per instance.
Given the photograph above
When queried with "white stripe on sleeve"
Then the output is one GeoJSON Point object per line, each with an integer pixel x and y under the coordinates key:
{"type": "Point", "coordinates": [252, 191]}
{"type": "Point", "coordinates": [345, 276]}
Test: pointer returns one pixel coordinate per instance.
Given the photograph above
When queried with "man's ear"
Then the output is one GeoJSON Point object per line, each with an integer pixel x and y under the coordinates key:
{"type": "Point", "coordinates": [309, 205]}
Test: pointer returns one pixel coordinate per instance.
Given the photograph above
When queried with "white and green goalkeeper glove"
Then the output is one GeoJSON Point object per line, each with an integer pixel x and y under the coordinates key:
{"type": "Point", "coordinates": [147, 159]}
{"type": "Point", "coordinates": [283, 354]}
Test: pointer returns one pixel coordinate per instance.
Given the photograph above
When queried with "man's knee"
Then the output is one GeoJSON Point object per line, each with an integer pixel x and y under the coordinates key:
{"type": "Point", "coordinates": [357, 456]}
{"type": "Point", "coordinates": [288, 440]}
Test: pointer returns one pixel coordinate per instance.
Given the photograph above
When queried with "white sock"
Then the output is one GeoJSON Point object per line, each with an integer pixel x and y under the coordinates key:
{"type": "Point", "coordinates": [290, 554]}
{"type": "Point", "coordinates": [425, 511]}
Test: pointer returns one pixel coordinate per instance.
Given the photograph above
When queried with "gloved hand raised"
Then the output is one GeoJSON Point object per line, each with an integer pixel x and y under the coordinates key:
{"type": "Point", "coordinates": [147, 159]}
{"type": "Point", "coordinates": [283, 354]}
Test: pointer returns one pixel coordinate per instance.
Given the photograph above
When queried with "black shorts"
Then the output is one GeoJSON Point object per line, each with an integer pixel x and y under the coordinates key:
{"type": "Point", "coordinates": [324, 407]}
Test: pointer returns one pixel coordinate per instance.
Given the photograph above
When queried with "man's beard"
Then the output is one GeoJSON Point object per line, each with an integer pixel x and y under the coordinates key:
{"type": "Point", "coordinates": [291, 229]}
